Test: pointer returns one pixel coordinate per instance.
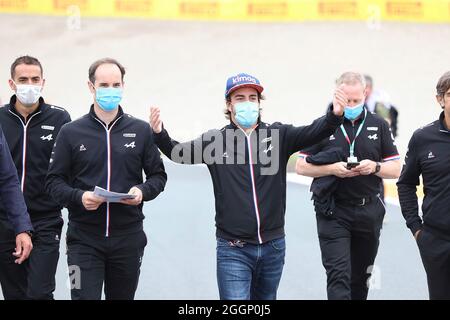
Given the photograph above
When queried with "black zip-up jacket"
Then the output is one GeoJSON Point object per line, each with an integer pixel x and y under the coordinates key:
{"type": "Point", "coordinates": [250, 203]}
{"type": "Point", "coordinates": [31, 143]}
{"type": "Point", "coordinates": [11, 198]}
{"type": "Point", "coordinates": [428, 155]}
{"type": "Point", "coordinates": [88, 153]}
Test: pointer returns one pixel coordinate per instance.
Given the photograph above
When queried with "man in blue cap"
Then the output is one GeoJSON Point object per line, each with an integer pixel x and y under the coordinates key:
{"type": "Point", "coordinates": [247, 161]}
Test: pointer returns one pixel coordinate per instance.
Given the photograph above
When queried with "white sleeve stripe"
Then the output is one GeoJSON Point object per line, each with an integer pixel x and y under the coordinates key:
{"type": "Point", "coordinates": [396, 157]}
{"type": "Point", "coordinates": [302, 155]}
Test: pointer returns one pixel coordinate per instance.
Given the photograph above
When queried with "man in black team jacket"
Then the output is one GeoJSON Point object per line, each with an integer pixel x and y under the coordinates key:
{"type": "Point", "coordinates": [247, 161]}
{"type": "Point", "coordinates": [14, 219]}
{"type": "Point", "coordinates": [429, 156]}
{"type": "Point", "coordinates": [109, 149]}
{"type": "Point", "coordinates": [30, 127]}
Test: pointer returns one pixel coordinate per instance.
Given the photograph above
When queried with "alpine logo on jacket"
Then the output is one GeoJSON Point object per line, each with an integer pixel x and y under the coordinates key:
{"type": "Point", "coordinates": [131, 145]}
{"type": "Point", "coordinates": [48, 138]}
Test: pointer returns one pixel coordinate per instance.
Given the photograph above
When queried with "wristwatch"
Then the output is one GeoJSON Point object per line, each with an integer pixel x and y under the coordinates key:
{"type": "Point", "coordinates": [377, 168]}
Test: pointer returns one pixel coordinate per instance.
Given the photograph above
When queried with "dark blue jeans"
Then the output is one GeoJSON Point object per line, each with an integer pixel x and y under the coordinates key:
{"type": "Point", "coordinates": [251, 272]}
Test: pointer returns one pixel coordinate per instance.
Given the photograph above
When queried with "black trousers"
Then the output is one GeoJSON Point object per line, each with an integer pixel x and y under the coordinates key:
{"type": "Point", "coordinates": [435, 254]}
{"type": "Point", "coordinates": [95, 260]}
{"type": "Point", "coordinates": [349, 243]}
{"type": "Point", "coordinates": [35, 278]}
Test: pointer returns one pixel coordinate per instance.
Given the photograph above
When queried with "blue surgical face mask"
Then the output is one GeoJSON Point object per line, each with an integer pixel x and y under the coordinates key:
{"type": "Point", "coordinates": [247, 113]}
{"type": "Point", "coordinates": [108, 98]}
{"type": "Point", "coordinates": [351, 113]}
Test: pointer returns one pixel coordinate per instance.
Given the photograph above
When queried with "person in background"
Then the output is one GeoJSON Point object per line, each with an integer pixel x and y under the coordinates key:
{"type": "Point", "coordinates": [379, 102]}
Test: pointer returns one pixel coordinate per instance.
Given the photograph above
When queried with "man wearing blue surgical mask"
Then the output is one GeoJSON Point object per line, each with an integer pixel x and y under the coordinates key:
{"type": "Point", "coordinates": [347, 169]}
{"type": "Point", "coordinates": [109, 149]}
{"type": "Point", "coordinates": [250, 200]}
{"type": "Point", "coordinates": [244, 109]}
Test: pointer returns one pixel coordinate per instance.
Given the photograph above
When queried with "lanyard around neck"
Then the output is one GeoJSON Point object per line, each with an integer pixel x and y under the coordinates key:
{"type": "Point", "coordinates": [352, 144]}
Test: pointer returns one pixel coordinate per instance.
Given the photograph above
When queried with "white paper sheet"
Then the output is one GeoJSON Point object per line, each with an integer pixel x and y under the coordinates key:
{"type": "Point", "coordinates": [112, 196]}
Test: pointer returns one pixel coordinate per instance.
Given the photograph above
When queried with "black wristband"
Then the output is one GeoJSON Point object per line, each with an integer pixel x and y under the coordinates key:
{"type": "Point", "coordinates": [377, 168]}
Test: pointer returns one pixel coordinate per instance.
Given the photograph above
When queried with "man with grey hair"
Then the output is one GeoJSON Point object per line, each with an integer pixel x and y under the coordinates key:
{"type": "Point", "coordinates": [347, 169]}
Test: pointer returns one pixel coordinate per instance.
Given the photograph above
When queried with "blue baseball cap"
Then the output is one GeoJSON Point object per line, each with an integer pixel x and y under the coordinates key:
{"type": "Point", "coordinates": [242, 80]}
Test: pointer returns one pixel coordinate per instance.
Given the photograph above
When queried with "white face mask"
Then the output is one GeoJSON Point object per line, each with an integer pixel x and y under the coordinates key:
{"type": "Point", "coordinates": [28, 94]}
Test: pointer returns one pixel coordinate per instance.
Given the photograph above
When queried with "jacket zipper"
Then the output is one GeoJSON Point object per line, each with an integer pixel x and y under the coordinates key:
{"type": "Point", "coordinates": [255, 198]}
{"type": "Point", "coordinates": [108, 181]}
{"type": "Point", "coordinates": [24, 147]}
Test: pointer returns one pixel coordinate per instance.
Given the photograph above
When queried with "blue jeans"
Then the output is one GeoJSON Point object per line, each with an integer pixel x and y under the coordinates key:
{"type": "Point", "coordinates": [251, 272]}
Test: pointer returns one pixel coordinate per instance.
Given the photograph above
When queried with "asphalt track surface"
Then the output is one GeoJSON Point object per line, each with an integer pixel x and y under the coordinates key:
{"type": "Point", "coordinates": [180, 259]}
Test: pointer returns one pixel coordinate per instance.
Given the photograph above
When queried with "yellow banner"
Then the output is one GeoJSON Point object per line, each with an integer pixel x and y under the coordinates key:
{"type": "Point", "coordinates": [241, 10]}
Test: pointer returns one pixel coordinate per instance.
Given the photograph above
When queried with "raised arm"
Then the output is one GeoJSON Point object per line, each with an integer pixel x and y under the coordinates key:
{"type": "Point", "coordinates": [302, 137]}
{"type": "Point", "coordinates": [155, 173]}
{"type": "Point", "coordinates": [190, 152]}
